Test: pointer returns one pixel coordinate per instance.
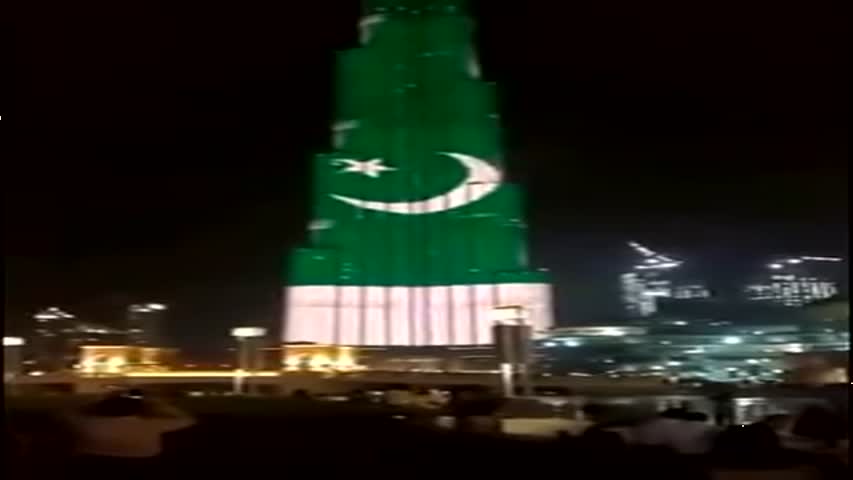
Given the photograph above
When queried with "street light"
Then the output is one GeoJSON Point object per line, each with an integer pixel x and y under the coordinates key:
{"type": "Point", "coordinates": [13, 341]}
{"type": "Point", "coordinates": [512, 344]}
{"type": "Point", "coordinates": [12, 358]}
{"type": "Point", "coordinates": [247, 353]}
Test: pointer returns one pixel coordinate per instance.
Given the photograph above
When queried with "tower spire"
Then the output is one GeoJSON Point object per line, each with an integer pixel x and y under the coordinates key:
{"type": "Point", "coordinates": [413, 6]}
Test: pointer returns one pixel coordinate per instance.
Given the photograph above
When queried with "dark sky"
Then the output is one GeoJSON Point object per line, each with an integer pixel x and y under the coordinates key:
{"type": "Point", "coordinates": [163, 146]}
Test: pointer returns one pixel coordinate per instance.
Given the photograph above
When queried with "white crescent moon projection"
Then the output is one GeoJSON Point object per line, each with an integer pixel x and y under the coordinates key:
{"type": "Point", "coordinates": [482, 179]}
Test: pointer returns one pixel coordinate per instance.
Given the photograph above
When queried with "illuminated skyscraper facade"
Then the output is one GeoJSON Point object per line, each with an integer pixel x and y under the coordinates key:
{"type": "Point", "coordinates": [654, 276]}
{"type": "Point", "coordinates": [144, 324]}
{"type": "Point", "coordinates": [797, 281]}
{"type": "Point", "coordinates": [416, 235]}
{"type": "Point", "coordinates": [58, 335]}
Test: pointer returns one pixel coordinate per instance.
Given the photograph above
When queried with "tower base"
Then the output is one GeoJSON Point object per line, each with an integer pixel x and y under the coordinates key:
{"type": "Point", "coordinates": [414, 316]}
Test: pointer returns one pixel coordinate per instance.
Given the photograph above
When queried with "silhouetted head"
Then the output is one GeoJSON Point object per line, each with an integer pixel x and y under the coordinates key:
{"type": "Point", "coordinates": [696, 416]}
{"type": "Point", "coordinates": [778, 421]}
{"type": "Point", "coordinates": [602, 440]}
{"type": "Point", "coordinates": [675, 413]}
{"type": "Point", "coordinates": [121, 404]}
{"type": "Point", "coordinates": [819, 423]}
{"type": "Point", "coordinates": [748, 444]}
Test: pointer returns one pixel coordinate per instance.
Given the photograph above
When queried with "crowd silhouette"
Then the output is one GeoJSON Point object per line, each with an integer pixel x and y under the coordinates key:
{"type": "Point", "coordinates": [132, 435]}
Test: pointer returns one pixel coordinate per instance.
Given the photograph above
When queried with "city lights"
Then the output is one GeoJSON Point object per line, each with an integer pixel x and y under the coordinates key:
{"type": "Point", "coordinates": [248, 332]}
{"type": "Point", "coordinates": [147, 308]}
{"type": "Point", "coordinates": [13, 341]}
{"type": "Point", "coordinates": [202, 374]}
{"type": "Point", "coordinates": [52, 313]}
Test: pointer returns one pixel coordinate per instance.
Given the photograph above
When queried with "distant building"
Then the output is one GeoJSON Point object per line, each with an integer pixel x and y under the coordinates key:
{"type": "Point", "coordinates": [58, 335]}
{"type": "Point", "coordinates": [49, 342]}
{"type": "Point", "coordinates": [119, 359]}
{"type": "Point", "coordinates": [654, 276]}
{"type": "Point", "coordinates": [797, 281]}
{"type": "Point", "coordinates": [689, 350]}
{"type": "Point", "coordinates": [144, 324]}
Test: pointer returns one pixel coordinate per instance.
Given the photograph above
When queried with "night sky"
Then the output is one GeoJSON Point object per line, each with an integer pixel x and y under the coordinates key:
{"type": "Point", "coordinates": [163, 147]}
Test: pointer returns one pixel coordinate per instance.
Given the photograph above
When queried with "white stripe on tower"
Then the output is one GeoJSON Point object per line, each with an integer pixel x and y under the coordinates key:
{"type": "Point", "coordinates": [349, 315]}
{"type": "Point", "coordinates": [330, 314]}
{"type": "Point", "coordinates": [399, 316]}
{"type": "Point", "coordinates": [437, 311]}
{"type": "Point", "coordinates": [374, 316]}
{"type": "Point", "coordinates": [362, 315]}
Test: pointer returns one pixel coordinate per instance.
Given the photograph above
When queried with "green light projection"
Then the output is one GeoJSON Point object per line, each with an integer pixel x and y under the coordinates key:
{"type": "Point", "coordinates": [413, 193]}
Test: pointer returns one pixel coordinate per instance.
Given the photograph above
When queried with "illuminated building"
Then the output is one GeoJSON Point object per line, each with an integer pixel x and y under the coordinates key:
{"type": "Point", "coordinates": [652, 277]}
{"type": "Point", "coordinates": [818, 368]}
{"type": "Point", "coordinates": [416, 233]}
{"type": "Point", "coordinates": [718, 351]}
{"type": "Point", "coordinates": [49, 342]}
{"type": "Point", "coordinates": [319, 358]}
{"type": "Point", "coordinates": [797, 281]}
{"type": "Point", "coordinates": [144, 324]}
{"type": "Point", "coordinates": [123, 359]}
{"type": "Point", "coordinates": [58, 336]}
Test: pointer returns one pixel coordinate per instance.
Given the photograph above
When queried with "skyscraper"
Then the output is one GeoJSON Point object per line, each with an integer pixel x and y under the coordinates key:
{"type": "Point", "coordinates": [49, 341]}
{"type": "Point", "coordinates": [654, 276]}
{"type": "Point", "coordinates": [144, 324]}
{"type": "Point", "coordinates": [797, 281]}
{"type": "Point", "coordinates": [58, 335]}
{"type": "Point", "coordinates": [416, 235]}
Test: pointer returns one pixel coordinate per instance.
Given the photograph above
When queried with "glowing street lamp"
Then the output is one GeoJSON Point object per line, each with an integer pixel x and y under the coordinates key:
{"type": "Point", "coordinates": [247, 353]}
{"type": "Point", "coordinates": [512, 341]}
{"type": "Point", "coordinates": [13, 342]}
{"type": "Point", "coordinates": [12, 358]}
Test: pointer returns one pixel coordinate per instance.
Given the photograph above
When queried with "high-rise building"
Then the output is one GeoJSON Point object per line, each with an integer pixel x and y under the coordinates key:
{"type": "Point", "coordinates": [58, 335]}
{"type": "Point", "coordinates": [797, 281]}
{"type": "Point", "coordinates": [416, 234]}
{"type": "Point", "coordinates": [654, 276]}
{"type": "Point", "coordinates": [49, 342]}
{"type": "Point", "coordinates": [145, 323]}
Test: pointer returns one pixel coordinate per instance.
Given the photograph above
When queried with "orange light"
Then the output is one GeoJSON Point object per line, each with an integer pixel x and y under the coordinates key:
{"type": "Point", "coordinates": [201, 374]}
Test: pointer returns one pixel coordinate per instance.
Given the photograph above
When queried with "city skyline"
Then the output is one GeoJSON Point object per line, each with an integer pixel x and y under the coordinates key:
{"type": "Point", "coordinates": [721, 147]}
{"type": "Point", "coordinates": [729, 295]}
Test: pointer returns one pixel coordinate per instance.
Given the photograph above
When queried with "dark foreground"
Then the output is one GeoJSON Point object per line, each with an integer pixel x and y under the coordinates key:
{"type": "Point", "coordinates": [285, 438]}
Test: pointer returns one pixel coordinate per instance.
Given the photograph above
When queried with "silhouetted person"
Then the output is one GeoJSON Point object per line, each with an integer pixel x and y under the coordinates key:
{"type": "Point", "coordinates": [121, 435]}
{"type": "Point", "coordinates": [676, 429]}
{"type": "Point", "coordinates": [696, 417]}
{"type": "Point", "coordinates": [723, 408]}
{"type": "Point", "coordinates": [359, 396]}
{"type": "Point", "coordinates": [474, 410]}
{"type": "Point", "coordinates": [602, 442]}
{"type": "Point", "coordinates": [820, 425]}
{"type": "Point", "coordinates": [301, 394]}
{"type": "Point", "coordinates": [751, 446]}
